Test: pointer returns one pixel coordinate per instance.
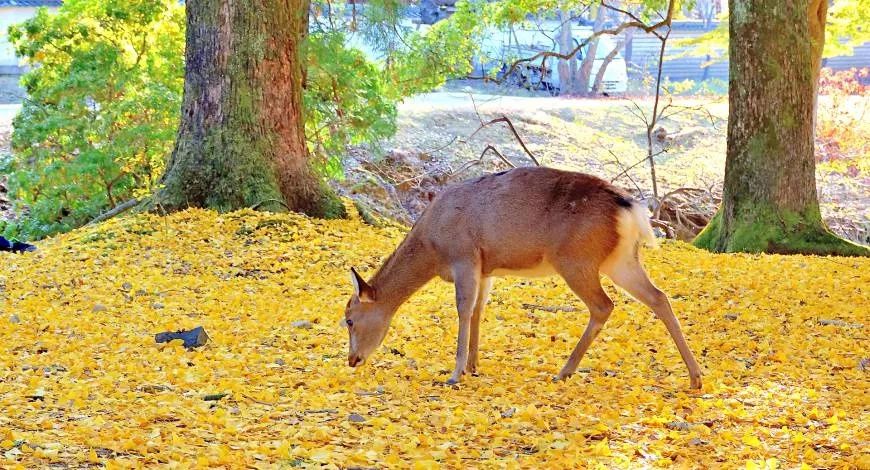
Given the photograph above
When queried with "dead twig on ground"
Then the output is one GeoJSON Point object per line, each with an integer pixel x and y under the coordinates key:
{"type": "Point", "coordinates": [551, 309]}
{"type": "Point", "coordinates": [120, 208]}
{"type": "Point", "coordinates": [479, 160]}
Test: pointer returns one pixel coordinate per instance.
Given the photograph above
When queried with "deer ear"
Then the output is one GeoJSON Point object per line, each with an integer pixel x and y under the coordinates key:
{"type": "Point", "coordinates": [361, 289]}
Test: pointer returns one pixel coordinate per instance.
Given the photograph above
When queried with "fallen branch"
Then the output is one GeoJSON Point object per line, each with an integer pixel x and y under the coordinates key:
{"type": "Point", "coordinates": [635, 164]}
{"type": "Point", "coordinates": [123, 207]}
{"type": "Point", "coordinates": [472, 163]}
{"type": "Point", "coordinates": [264, 201]}
{"type": "Point", "coordinates": [505, 160]}
{"type": "Point", "coordinates": [666, 227]}
{"type": "Point", "coordinates": [551, 309]}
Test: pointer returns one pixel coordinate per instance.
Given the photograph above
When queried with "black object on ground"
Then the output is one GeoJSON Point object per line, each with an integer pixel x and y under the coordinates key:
{"type": "Point", "coordinates": [18, 247]}
{"type": "Point", "coordinates": [192, 338]}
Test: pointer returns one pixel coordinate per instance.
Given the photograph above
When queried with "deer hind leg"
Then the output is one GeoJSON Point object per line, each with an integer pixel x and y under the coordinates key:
{"type": "Point", "coordinates": [587, 285]}
{"type": "Point", "coordinates": [466, 280]}
{"type": "Point", "coordinates": [474, 342]}
{"type": "Point", "coordinates": [630, 275]}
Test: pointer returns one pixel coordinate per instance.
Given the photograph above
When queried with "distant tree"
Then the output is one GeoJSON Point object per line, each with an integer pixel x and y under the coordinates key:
{"type": "Point", "coordinates": [770, 203]}
{"type": "Point", "coordinates": [575, 74]}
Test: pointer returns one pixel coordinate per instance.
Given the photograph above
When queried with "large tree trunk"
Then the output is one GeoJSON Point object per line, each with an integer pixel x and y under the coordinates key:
{"type": "Point", "coordinates": [770, 202]}
{"type": "Point", "coordinates": [241, 141]}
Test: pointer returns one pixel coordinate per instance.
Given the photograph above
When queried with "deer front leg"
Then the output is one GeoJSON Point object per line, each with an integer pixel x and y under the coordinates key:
{"type": "Point", "coordinates": [466, 278]}
{"type": "Point", "coordinates": [474, 341]}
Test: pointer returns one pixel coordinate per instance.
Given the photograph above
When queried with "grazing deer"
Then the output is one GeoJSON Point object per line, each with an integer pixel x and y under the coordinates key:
{"type": "Point", "coordinates": [526, 222]}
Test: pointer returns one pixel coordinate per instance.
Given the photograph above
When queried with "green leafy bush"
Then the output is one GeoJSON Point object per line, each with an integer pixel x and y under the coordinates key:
{"type": "Point", "coordinates": [105, 96]}
{"type": "Point", "coordinates": [345, 101]}
{"type": "Point", "coordinates": [102, 111]}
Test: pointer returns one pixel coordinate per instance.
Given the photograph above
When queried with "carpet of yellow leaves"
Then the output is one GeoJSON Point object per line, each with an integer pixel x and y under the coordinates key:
{"type": "Point", "coordinates": [782, 341]}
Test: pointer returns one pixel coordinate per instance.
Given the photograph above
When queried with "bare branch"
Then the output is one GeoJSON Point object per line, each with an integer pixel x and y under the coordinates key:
{"type": "Point", "coordinates": [494, 150]}
{"type": "Point", "coordinates": [640, 113]}
{"type": "Point", "coordinates": [624, 172]}
{"type": "Point", "coordinates": [635, 23]}
{"type": "Point", "coordinates": [635, 164]}
{"type": "Point", "coordinates": [630, 15]}
{"type": "Point", "coordinates": [510, 124]}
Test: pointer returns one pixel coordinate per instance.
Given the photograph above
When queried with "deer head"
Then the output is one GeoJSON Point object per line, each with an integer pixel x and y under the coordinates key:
{"type": "Point", "coordinates": [366, 319]}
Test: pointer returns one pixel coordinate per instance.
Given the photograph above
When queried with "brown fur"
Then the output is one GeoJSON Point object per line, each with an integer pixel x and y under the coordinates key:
{"type": "Point", "coordinates": [527, 221]}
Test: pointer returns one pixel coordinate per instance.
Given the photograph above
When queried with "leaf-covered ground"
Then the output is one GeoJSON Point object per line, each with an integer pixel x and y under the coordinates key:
{"type": "Point", "coordinates": [782, 342]}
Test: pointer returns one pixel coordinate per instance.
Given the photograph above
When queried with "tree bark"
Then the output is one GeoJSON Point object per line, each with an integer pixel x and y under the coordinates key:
{"type": "Point", "coordinates": [583, 81]}
{"type": "Point", "coordinates": [629, 46]}
{"type": "Point", "coordinates": [567, 68]}
{"type": "Point", "coordinates": [770, 203]}
{"type": "Point", "coordinates": [599, 75]}
{"type": "Point", "coordinates": [818, 12]}
{"type": "Point", "coordinates": [241, 139]}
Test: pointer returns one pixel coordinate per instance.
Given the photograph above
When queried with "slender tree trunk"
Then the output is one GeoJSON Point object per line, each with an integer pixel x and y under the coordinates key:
{"type": "Point", "coordinates": [241, 140]}
{"type": "Point", "coordinates": [585, 72]}
{"type": "Point", "coordinates": [599, 75]}
{"type": "Point", "coordinates": [566, 44]}
{"type": "Point", "coordinates": [818, 12]}
{"type": "Point", "coordinates": [629, 46]}
{"type": "Point", "coordinates": [770, 202]}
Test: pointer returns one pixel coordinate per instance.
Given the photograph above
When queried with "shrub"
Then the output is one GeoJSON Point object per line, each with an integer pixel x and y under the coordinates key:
{"type": "Point", "coordinates": [102, 111]}
{"type": "Point", "coordinates": [105, 96]}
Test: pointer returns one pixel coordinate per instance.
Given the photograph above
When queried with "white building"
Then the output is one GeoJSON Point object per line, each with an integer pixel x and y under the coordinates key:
{"type": "Point", "coordinates": [12, 12]}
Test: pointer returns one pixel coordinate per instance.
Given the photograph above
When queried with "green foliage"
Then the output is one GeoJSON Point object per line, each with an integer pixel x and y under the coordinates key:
{"type": "Point", "coordinates": [346, 100]}
{"type": "Point", "coordinates": [350, 97]}
{"type": "Point", "coordinates": [846, 28]}
{"type": "Point", "coordinates": [102, 110]}
{"type": "Point", "coordinates": [445, 50]}
{"type": "Point", "coordinates": [711, 86]}
{"type": "Point", "coordinates": [105, 97]}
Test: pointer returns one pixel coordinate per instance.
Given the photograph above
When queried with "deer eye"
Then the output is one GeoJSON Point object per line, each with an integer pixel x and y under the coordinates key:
{"type": "Point", "coordinates": [349, 322]}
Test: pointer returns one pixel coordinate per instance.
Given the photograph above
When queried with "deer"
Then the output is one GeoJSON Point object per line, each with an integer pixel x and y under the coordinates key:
{"type": "Point", "coordinates": [527, 222]}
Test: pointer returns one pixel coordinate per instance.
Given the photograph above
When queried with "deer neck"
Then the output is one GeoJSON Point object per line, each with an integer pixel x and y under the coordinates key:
{"type": "Point", "coordinates": [406, 270]}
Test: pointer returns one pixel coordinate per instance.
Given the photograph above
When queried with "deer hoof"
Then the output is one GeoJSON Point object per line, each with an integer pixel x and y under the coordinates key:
{"type": "Point", "coordinates": [696, 382]}
{"type": "Point", "coordinates": [452, 381]}
{"type": "Point", "coordinates": [561, 377]}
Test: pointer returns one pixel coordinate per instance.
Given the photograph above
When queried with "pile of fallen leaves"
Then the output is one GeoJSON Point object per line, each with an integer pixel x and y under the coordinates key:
{"type": "Point", "coordinates": [782, 342]}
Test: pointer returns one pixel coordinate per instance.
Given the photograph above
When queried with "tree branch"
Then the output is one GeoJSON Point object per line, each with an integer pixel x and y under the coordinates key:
{"type": "Point", "coordinates": [510, 124]}
{"type": "Point", "coordinates": [117, 210]}
{"type": "Point", "coordinates": [635, 23]}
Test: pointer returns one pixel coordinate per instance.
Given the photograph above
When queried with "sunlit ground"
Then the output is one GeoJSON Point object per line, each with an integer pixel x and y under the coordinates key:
{"type": "Point", "coordinates": [782, 342]}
